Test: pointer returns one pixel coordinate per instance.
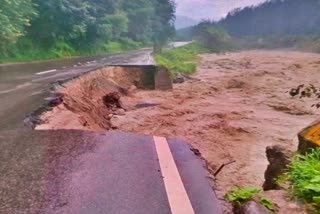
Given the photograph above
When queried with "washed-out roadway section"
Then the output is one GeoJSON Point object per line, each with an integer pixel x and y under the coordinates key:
{"type": "Point", "coordinates": [90, 172]}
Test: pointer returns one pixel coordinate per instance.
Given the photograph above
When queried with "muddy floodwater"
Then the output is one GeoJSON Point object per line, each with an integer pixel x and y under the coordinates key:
{"type": "Point", "coordinates": [235, 106]}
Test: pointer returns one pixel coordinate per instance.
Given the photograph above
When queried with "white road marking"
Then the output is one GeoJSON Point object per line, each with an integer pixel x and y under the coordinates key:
{"type": "Point", "coordinates": [16, 88]}
{"type": "Point", "coordinates": [177, 195]}
{"type": "Point", "coordinates": [46, 72]}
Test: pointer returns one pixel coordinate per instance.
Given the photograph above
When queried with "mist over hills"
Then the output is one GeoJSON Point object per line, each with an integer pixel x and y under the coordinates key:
{"type": "Point", "coordinates": [184, 21]}
{"type": "Point", "coordinates": [275, 17]}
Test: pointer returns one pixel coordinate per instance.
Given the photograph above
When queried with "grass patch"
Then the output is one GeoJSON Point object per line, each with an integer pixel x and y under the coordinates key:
{"type": "Point", "coordinates": [304, 174]}
{"type": "Point", "coordinates": [180, 60]}
{"type": "Point", "coordinates": [240, 195]}
{"type": "Point", "coordinates": [26, 51]}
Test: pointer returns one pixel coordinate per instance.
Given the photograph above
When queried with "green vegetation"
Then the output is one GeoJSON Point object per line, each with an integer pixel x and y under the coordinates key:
{"type": "Point", "coordinates": [37, 29]}
{"type": "Point", "coordinates": [304, 174]}
{"type": "Point", "coordinates": [183, 59]}
{"type": "Point", "coordinates": [24, 51]}
{"type": "Point", "coordinates": [263, 27]}
{"type": "Point", "coordinates": [239, 195]}
{"type": "Point", "coordinates": [213, 38]}
{"type": "Point", "coordinates": [14, 16]}
{"type": "Point", "coordinates": [180, 60]}
{"type": "Point", "coordinates": [267, 203]}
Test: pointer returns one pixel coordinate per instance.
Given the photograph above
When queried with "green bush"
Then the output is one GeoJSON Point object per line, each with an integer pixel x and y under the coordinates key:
{"type": "Point", "coordinates": [239, 195]}
{"type": "Point", "coordinates": [128, 44]}
{"type": "Point", "coordinates": [27, 50]}
{"type": "Point", "coordinates": [63, 49]}
{"type": "Point", "coordinates": [215, 39]}
{"type": "Point", "coordinates": [180, 60]}
{"type": "Point", "coordinates": [304, 174]}
{"type": "Point", "coordinates": [112, 47]}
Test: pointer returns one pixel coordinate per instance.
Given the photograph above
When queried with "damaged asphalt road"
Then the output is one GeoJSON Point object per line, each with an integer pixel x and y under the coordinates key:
{"type": "Point", "coordinates": [23, 87]}
{"type": "Point", "coordinates": [90, 172]}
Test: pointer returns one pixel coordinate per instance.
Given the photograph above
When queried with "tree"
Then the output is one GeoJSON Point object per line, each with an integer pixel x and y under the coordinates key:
{"type": "Point", "coordinates": [215, 39]}
{"type": "Point", "coordinates": [85, 25]}
{"type": "Point", "coordinates": [163, 21]}
{"type": "Point", "coordinates": [139, 14]}
{"type": "Point", "coordinates": [15, 15]}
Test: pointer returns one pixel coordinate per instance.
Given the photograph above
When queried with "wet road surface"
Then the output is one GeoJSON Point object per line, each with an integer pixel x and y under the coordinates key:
{"type": "Point", "coordinates": [93, 173]}
{"type": "Point", "coordinates": [23, 87]}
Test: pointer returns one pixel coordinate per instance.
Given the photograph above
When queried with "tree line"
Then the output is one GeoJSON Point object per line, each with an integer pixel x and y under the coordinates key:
{"type": "Point", "coordinates": [272, 24]}
{"type": "Point", "coordinates": [275, 17]}
{"type": "Point", "coordinates": [86, 25]}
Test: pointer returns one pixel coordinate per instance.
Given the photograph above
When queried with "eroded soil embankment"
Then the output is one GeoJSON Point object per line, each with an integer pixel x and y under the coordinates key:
{"type": "Point", "coordinates": [238, 106]}
{"type": "Point", "coordinates": [91, 100]}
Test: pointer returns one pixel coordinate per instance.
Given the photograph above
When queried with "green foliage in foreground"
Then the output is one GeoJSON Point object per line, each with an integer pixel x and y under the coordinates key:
{"type": "Point", "coordinates": [304, 174]}
{"type": "Point", "coordinates": [180, 60]}
{"type": "Point", "coordinates": [240, 195]}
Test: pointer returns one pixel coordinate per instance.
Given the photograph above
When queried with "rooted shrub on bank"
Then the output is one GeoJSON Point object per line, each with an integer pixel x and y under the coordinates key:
{"type": "Point", "coordinates": [304, 174]}
{"type": "Point", "coordinates": [180, 60]}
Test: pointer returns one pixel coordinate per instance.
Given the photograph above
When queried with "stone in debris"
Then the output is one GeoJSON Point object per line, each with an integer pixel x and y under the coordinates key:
{"type": "Point", "coordinates": [279, 158]}
{"type": "Point", "coordinates": [179, 79]}
{"type": "Point", "coordinates": [252, 207]}
{"type": "Point", "coordinates": [120, 112]}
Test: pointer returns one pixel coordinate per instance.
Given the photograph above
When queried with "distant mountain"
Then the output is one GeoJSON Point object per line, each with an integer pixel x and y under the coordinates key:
{"type": "Point", "coordinates": [273, 18]}
{"type": "Point", "coordinates": [184, 21]}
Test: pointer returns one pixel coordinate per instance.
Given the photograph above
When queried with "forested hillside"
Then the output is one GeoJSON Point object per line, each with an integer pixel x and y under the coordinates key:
{"type": "Point", "coordinates": [275, 17]}
{"type": "Point", "coordinates": [272, 24]}
{"type": "Point", "coordinates": [31, 29]}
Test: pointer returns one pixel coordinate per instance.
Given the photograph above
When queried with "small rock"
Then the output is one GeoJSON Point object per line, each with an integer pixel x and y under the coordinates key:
{"type": "Point", "coordinates": [179, 79]}
{"type": "Point", "coordinates": [110, 115]}
{"type": "Point", "coordinates": [251, 207]}
{"type": "Point", "coordinates": [279, 158]}
{"type": "Point", "coordinates": [54, 101]}
{"type": "Point", "coordinates": [120, 112]}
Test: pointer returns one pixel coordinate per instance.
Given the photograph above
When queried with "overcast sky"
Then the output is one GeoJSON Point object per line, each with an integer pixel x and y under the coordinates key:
{"type": "Point", "coordinates": [212, 9]}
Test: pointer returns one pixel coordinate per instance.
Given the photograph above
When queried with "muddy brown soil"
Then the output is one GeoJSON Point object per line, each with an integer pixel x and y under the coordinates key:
{"type": "Point", "coordinates": [236, 106]}
{"type": "Point", "coordinates": [90, 100]}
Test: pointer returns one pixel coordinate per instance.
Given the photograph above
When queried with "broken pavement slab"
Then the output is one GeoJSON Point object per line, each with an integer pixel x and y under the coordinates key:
{"type": "Point", "coordinates": [101, 172]}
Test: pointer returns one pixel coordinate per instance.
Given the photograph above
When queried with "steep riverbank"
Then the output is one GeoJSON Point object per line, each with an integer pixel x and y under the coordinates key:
{"type": "Point", "coordinates": [236, 106]}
